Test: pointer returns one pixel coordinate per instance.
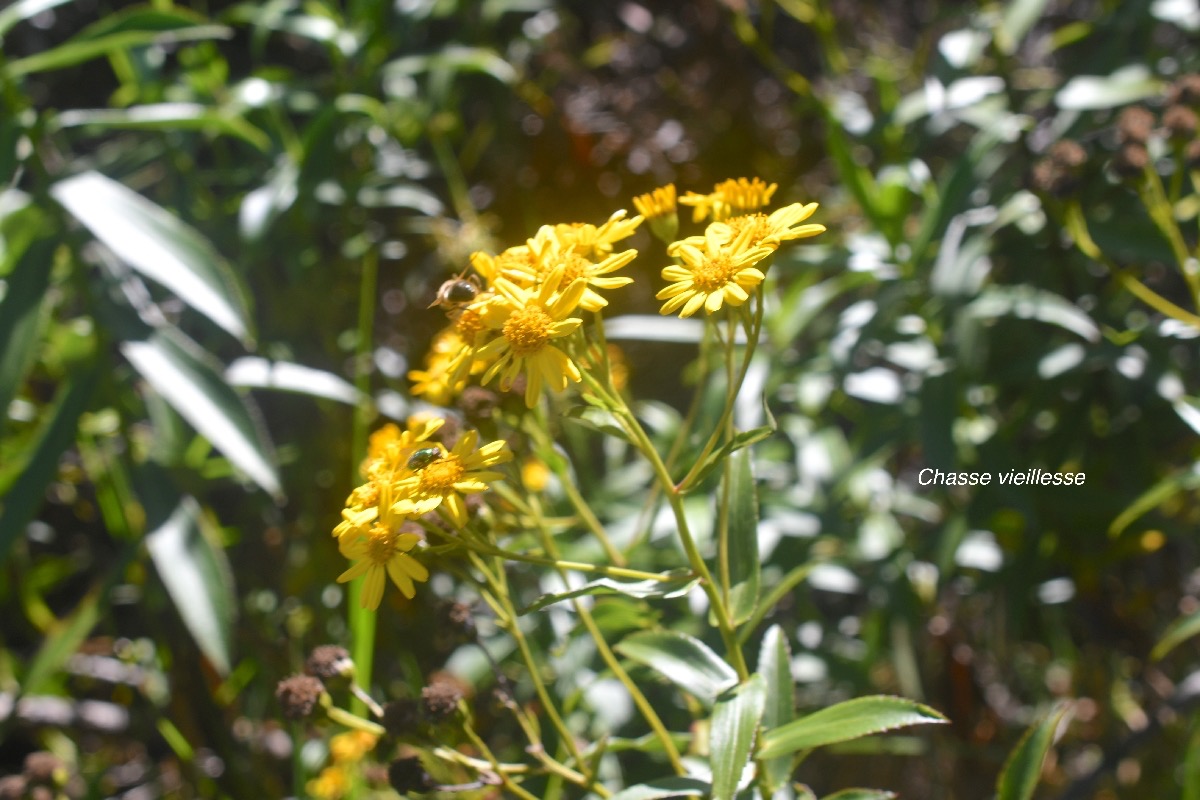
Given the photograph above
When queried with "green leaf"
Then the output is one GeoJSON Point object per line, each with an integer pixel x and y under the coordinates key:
{"type": "Point", "coordinates": [734, 723]}
{"type": "Point", "coordinates": [1021, 772]}
{"type": "Point", "coordinates": [198, 577]}
{"type": "Point", "coordinates": [1177, 633]}
{"type": "Point", "coordinates": [681, 582]}
{"type": "Point", "coordinates": [664, 787]}
{"type": "Point", "coordinates": [25, 497]}
{"type": "Point", "coordinates": [683, 660]}
{"type": "Point", "coordinates": [23, 10]}
{"type": "Point", "coordinates": [185, 378]}
{"type": "Point", "coordinates": [862, 716]}
{"type": "Point", "coordinates": [1191, 768]}
{"type": "Point", "coordinates": [166, 117]}
{"type": "Point", "coordinates": [77, 50]}
{"type": "Point", "coordinates": [861, 794]}
{"type": "Point", "coordinates": [745, 569]}
{"type": "Point", "coordinates": [158, 245]}
{"type": "Point", "coordinates": [143, 18]}
{"type": "Point", "coordinates": [27, 265]}
{"type": "Point", "coordinates": [1026, 302]}
{"type": "Point", "coordinates": [775, 665]}
{"type": "Point", "coordinates": [740, 441]}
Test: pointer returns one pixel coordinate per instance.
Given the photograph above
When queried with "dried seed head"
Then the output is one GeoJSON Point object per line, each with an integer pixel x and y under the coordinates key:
{"type": "Point", "coordinates": [329, 661]}
{"type": "Point", "coordinates": [1181, 122]}
{"type": "Point", "coordinates": [1058, 172]}
{"type": "Point", "coordinates": [1185, 90]}
{"type": "Point", "coordinates": [299, 695]}
{"type": "Point", "coordinates": [478, 403]}
{"type": "Point", "coordinates": [1131, 160]}
{"type": "Point", "coordinates": [439, 700]}
{"type": "Point", "coordinates": [1135, 124]}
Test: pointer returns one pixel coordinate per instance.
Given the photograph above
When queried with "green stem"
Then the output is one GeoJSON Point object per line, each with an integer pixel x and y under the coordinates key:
{"type": "Point", "coordinates": [579, 566]}
{"type": "Point", "coordinates": [639, 699]}
{"type": "Point", "coordinates": [362, 620]}
{"type": "Point", "coordinates": [675, 498]}
{"type": "Point", "coordinates": [511, 621]}
{"type": "Point", "coordinates": [719, 431]}
{"type": "Point", "coordinates": [790, 581]}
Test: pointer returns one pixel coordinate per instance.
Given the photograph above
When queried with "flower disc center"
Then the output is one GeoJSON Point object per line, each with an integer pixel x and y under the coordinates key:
{"type": "Point", "coordinates": [527, 330]}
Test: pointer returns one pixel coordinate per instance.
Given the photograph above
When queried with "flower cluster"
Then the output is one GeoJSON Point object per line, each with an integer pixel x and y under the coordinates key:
{"type": "Point", "coordinates": [512, 322]}
{"type": "Point", "coordinates": [407, 476]}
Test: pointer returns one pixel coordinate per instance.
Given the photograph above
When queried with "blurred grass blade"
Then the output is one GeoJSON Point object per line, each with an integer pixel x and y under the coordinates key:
{"type": "Point", "coordinates": [57, 434]}
{"type": "Point", "coordinates": [253, 372]}
{"type": "Point", "coordinates": [677, 587]}
{"type": "Point", "coordinates": [78, 51]}
{"type": "Point", "coordinates": [23, 10]}
{"type": "Point", "coordinates": [166, 117]}
{"type": "Point", "coordinates": [862, 716]}
{"type": "Point", "coordinates": [198, 579]}
{"type": "Point", "coordinates": [663, 788]}
{"type": "Point", "coordinates": [1153, 497]}
{"type": "Point", "coordinates": [1177, 633]}
{"type": "Point", "coordinates": [861, 794]}
{"type": "Point", "coordinates": [1021, 772]}
{"type": "Point", "coordinates": [1090, 92]}
{"type": "Point", "coordinates": [745, 569]}
{"type": "Point", "coordinates": [775, 665]}
{"type": "Point", "coordinates": [144, 18]}
{"type": "Point", "coordinates": [683, 660]}
{"type": "Point", "coordinates": [1191, 768]}
{"type": "Point", "coordinates": [197, 391]}
{"type": "Point", "coordinates": [157, 244]}
{"type": "Point", "coordinates": [734, 724]}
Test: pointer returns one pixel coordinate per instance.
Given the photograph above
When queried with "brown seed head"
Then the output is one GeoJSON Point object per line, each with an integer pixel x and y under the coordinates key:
{"type": "Point", "coordinates": [1135, 124]}
{"type": "Point", "coordinates": [329, 661]}
{"type": "Point", "coordinates": [299, 695]}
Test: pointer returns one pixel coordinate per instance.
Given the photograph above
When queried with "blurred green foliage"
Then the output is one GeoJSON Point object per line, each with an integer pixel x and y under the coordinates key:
{"type": "Point", "coordinates": [192, 195]}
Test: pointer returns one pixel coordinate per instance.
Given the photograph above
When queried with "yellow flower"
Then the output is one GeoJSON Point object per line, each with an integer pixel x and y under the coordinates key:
{"type": "Point", "coordinates": [782, 225]}
{"type": "Point", "coordinates": [331, 784]}
{"type": "Point", "coordinates": [720, 273]}
{"type": "Point", "coordinates": [618, 367]}
{"type": "Point", "coordinates": [551, 251]}
{"type": "Point", "coordinates": [592, 242]}
{"type": "Point", "coordinates": [730, 198]}
{"type": "Point", "coordinates": [371, 538]}
{"type": "Point", "coordinates": [658, 207]}
{"type": "Point", "coordinates": [534, 474]}
{"type": "Point", "coordinates": [444, 479]}
{"type": "Point", "coordinates": [442, 379]}
{"type": "Point", "coordinates": [351, 746]}
{"type": "Point", "coordinates": [389, 447]}
{"type": "Point", "coordinates": [527, 323]}
{"type": "Point", "coordinates": [659, 203]}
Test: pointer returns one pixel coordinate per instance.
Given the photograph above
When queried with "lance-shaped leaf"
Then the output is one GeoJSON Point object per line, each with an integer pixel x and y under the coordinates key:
{"type": "Point", "coordinates": [862, 716]}
{"type": "Point", "coordinates": [258, 373]}
{"type": "Point", "coordinates": [685, 661]}
{"type": "Point", "coordinates": [26, 263]}
{"type": "Point", "coordinates": [735, 719]}
{"type": "Point", "coordinates": [860, 794]}
{"type": "Point", "coordinates": [681, 581]}
{"type": "Point", "coordinates": [775, 665]}
{"type": "Point", "coordinates": [744, 565]}
{"type": "Point", "coordinates": [185, 379]}
{"type": "Point", "coordinates": [158, 245]}
{"type": "Point", "coordinates": [1024, 766]}
{"type": "Point", "coordinates": [198, 577]}
{"type": "Point", "coordinates": [664, 787]}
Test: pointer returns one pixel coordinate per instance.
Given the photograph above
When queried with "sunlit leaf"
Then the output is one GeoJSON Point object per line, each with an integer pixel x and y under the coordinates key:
{"type": "Point", "coordinates": [77, 51]}
{"type": "Point", "coordinates": [683, 660]}
{"type": "Point", "coordinates": [775, 665]}
{"type": "Point", "coordinates": [861, 794]}
{"type": "Point", "coordinates": [198, 578]}
{"type": "Point", "coordinates": [1023, 769]}
{"type": "Point", "coordinates": [253, 372]}
{"type": "Point", "coordinates": [166, 117]}
{"type": "Point", "coordinates": [27, 264]}
{"type": "Point", "coordinates": [862, 716]}
{"type": "Point", "coordinates": [1126, 85]}
{"type": "Point", "coordinates": [678, 586]}
{"type": "Point", "coordinates": [22, 10]}
{"type": "Point", "coordinates": [1026, 302]}
{"type": "Point", "coordinates": [197, 391]}
{"type": "Point", "coordinates": [158, 245]}
{"type": "Point", "coordinates": [1153, 497]}
{"type": "Point", "coordinates": [735, 719]}
{"type": "Point", "coordinates": [1019, 17]}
